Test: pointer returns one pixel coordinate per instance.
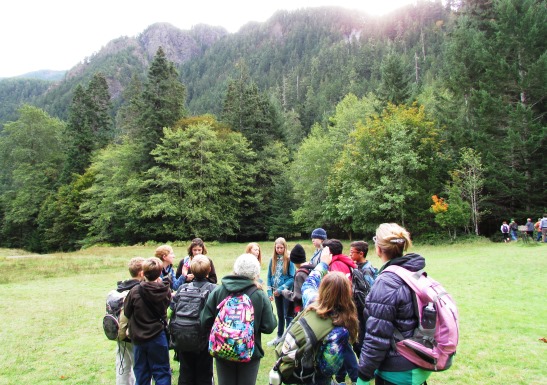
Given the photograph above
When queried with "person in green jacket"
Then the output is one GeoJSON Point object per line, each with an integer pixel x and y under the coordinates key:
{"type": "Point", "coordinates": [245, 275]}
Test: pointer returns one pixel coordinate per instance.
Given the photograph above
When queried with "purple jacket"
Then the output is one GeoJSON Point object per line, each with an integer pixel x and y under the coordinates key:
{"type": "Point", "coordinates": [389, 306]}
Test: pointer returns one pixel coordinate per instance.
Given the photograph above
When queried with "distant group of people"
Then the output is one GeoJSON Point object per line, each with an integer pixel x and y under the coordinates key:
{"type": "Point", "coordinates": [359, 346]}
{"type": "Point", "coordinates": [510, 231]}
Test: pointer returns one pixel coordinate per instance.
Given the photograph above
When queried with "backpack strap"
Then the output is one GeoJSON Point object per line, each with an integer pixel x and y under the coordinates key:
{"type": "Point", "coordinates": [250, 290]}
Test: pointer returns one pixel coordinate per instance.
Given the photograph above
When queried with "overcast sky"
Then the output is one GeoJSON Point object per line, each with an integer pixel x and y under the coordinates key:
{"type": "Point", "coordinates": [58, 34]}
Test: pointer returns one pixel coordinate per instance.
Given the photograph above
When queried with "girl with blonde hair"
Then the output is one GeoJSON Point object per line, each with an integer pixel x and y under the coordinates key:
{"type": "Point", "coordinates": [280, 277]}
{"type": "Point", "coordinates": [390, 308]}
{"type": "Point", "coordinates": [254, 249]}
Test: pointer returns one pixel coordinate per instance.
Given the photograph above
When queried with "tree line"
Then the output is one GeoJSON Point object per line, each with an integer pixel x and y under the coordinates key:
{"type": "Point", "coordinates": [446, 146]}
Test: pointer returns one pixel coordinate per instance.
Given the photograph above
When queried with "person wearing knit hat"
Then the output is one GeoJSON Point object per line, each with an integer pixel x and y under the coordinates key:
{"type": "Point", "coordinates": [317, 237]}
{"type": "Point", "coordinates": [298, 257]}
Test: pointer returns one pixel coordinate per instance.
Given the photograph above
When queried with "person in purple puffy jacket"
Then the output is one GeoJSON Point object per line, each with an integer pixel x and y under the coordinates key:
{"type": "Point", "coordinates": [389, 307]}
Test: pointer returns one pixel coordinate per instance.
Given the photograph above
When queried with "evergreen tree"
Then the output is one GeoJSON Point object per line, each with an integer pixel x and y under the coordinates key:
{"type": "Point", "coordinates": [163, 101]}
{"type": "Point", "coordinates": [90, 125]}
{"type": "Point", "coordinates": [395, 84]}
{"type": "Point", "coordinates": [250, 112]}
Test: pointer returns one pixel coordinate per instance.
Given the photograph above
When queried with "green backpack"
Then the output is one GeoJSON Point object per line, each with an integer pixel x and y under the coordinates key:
{"type": "Point", "coordinates": [297, 350]}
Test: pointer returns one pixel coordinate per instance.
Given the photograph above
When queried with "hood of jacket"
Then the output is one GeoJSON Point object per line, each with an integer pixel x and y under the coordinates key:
{"type": "Point", "coordinates": [411, 262]}
{"type": "Point", "coordinates": [235, 283]}
{"type": "Point", "coordinates": [155, 291]}
{"type": "Point", "coordinates": [128, 284]}
{"type": "Point", "coordinates": [344, 259]}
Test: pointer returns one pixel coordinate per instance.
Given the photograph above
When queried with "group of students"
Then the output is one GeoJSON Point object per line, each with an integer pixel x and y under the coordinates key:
{"type": "Point", "coordinates": [510, 230]}
{"type": "Point", "coordinates": [359, 346]}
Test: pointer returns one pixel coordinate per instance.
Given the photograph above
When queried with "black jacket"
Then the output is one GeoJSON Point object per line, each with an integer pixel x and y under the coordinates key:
{"type": "Point", "coordinates": [143, 324]}
{"type": "Point", "coordinates": [389, 306]}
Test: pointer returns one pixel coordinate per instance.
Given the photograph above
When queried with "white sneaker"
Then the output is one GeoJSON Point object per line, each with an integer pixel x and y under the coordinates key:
{"type": "Point", "coordinates": [274, 342]}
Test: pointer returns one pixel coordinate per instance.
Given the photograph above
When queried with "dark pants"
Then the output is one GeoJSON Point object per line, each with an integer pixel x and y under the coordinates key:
{"type": "Point", "coordinates": [237, 373]}
{"type": "Point", "coordinates": [196, 368]}
{"type": "Point", "coordinates": [284, 317]}
{"type": "Point", "coordinates": [152, 360]}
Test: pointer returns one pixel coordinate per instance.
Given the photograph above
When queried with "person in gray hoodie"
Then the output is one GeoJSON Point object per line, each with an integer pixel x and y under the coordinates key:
{"type": "Point", "coordinates": [244, 277]}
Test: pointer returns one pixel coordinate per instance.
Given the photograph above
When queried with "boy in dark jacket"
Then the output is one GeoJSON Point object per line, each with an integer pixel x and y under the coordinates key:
{"type": "Point", "coordinates": [146, 308]}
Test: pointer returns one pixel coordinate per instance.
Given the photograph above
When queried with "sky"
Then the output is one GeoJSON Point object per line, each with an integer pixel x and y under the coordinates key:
{"type": "Point", "coordinates": [58, 34]}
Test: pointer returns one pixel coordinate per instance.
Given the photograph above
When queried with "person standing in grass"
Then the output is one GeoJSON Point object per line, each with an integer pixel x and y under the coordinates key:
{"type": "Point", "coordinates": [530, 228]}
{"type": "Point", "coordinates": [254, 249]}
{"type": "Point", "coordinates": [298, 257]}
{"type": "Point", "coordinates": [196, 367]}
{"type": "Point", "coordinates": [245, 274]}
{"type": "Point", "coordinates": [513, 228]}
{"type": "Point", "coordinates": [358, 251]}
{"type": "Point", "coordinates": [166, 254]}
{"type": "Point", "coordinates": [197, 247]}
{"type": "Point", "coordinates": [317, 237]}
{"type": "Point", "coordinates": [390, 307]}
{"type": "Point", "coordinates": [146, 308]}
{"type": "Point", "coordinates": [280, 276]}
{"type": "Point", "coordinates": [543, 227]}
{"type": "Point", "coordinates": [328, 294]}
{"type": "Point", "coordinates": [125, 358]}
{"type": "Point", "coordinates": [505, 232]}
{"type": "Point", "coordinates": [537, 227]}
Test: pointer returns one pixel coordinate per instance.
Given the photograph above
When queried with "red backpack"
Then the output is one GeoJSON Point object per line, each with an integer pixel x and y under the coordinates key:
{"type": "Point", "coordinates": [433, 344]}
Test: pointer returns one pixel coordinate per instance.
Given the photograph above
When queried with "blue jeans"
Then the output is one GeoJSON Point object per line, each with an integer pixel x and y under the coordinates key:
{"type": "Point", "coordinates": [514, 235]}
{"type": "Point", "coordinates": [283, 316]}
{"type": "Point", "coordinates": [152, 360]}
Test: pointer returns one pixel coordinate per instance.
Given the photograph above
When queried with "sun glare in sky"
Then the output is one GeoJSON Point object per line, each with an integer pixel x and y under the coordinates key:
{"type": "Point", "coordinates": [58, 34]}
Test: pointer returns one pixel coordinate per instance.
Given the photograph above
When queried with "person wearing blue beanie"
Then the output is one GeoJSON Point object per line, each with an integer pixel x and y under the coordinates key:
{"type": "Point", "coordinates": [317, 237]}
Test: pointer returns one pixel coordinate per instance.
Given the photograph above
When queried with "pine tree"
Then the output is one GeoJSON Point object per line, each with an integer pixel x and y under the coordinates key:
{"type": "Point", "coordinates": [163, 101]}
{"type": "Point", "coordinates": [90, 125]}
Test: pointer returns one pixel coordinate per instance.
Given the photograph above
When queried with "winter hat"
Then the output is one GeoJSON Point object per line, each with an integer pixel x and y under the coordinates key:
{"type": "Point", "coordinates": [298, 254]}
{"type": "Point", "coordinates": [246, 265]}
{"type": "Point", "coordinates": [319, 234]}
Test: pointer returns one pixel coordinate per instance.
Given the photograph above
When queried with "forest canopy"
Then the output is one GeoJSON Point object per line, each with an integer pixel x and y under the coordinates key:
{"type": "Point", "coordinates": [433, 118]}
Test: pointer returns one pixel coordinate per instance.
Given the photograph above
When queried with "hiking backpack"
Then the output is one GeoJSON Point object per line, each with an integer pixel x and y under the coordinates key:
{"type": "Point", "coordinates": [505, 229]}
{"type": "Point", "coordinates": [111, 320]}
{"type": "Point", "coordinates": [360, 289]}
{"type": "Point", "coordinates": [185, 328]}
{"type": "Point", "coordinates": [296, 352]}
{"type": "Point", "coordinates": [232, 335]}
{"type": "Point", "coordinates": [433, 344]}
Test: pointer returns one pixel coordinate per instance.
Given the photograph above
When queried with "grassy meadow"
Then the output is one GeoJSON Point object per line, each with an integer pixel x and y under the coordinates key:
{"type": "Point", "coordinates": [51, 309]}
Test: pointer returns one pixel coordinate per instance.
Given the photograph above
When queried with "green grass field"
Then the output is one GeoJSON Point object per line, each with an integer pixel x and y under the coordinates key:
{"type": "Point", "coordinates": [51, 309]}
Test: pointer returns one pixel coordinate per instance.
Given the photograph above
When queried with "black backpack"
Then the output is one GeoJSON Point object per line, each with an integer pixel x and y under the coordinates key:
{"type": "Point", "coordinates": [185, 327]}
{"type": "Point", "coordinates": [360, 289]}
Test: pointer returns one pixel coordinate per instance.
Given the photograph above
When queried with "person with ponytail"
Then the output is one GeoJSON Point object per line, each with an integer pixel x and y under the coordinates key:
{"type": "Point", "coordinates": [389, 308]}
